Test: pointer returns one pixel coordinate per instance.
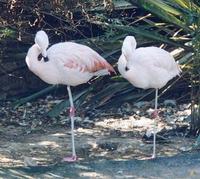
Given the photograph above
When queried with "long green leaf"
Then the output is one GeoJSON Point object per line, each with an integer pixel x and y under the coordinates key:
{"type": "Point", "coordinates": [162, 10]}
{"type": "Point", "coordinates": [182, 3]}
{"type": "Point", "coordinates": [146, 33]}
{"type": "Point", "coordinates": [108, 92]}
{"type": "Point", "coordinates": [162, 5]}
{"type": "Point", "coordinates": [33, 97]}
{"type": "Point", "coordinates": [78, 99]}
{"type": "Point", "coordinates": [187, 5]}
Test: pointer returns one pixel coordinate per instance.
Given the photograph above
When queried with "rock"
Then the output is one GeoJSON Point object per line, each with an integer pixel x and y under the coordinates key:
{"type": "Point", "coordinates": [142, 122]}
{"type": "Point", "coordinates": [126, 107]}
{"type": "Point", "coordinates": [115, 133]}
{"type": "Point", "coordinates": [29, 162]}
{"type": "Point", "coordinates": [150, 111]}
{"type": "Point", "coordinates": [23, 123]}
{"type": "Point", "coordinates": [170, 119]}
{"type": "Point", "coordinates": [124, 148]}
{"type": "Point", "coordinates": [149, 133]}
{"type": "Point", "coordinates": [49, 97]}
{"type": "Point", "coordinates": [136, 111]}
{"type": "Point", "coordinates": [182, 107]}
{"type": "Point", "coordinates": [120, 172]}
{"type": "Point", "coordinates": [111, 146]}
{"type": "Point", "coordinates": [141, 104]}
{"type": "Point", "coordinates": [184, 149]}
{"type": "Point", "coordinates": [78, 119]}
{"type": "Point", "coordinates": [88, 121]}
{"type": "Point", "coordinates": [28, 104]}
{"type": "Point", "coordinates": [170, 102]}
{"type": "Point", "coordinates": [181, 118]}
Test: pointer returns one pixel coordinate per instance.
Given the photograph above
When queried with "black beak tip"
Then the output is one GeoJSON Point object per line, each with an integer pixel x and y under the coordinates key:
{"type": "Point", "coordinates": [46, 59]}
{"type": "Point", "coordinates": [40, 57]}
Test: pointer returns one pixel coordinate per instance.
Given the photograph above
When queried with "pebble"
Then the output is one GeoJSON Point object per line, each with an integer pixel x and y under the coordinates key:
{"type": "Point", "coordinates": [170, 102]}
{"type": "Point", "coordinates": [78, 119]}
{"type": "Point", "coordinates": [150, 111]}
{"type": "Point", "coordinates": [29, 162]}
{"type": "Point", "coordinates": [35, 111]}
{"type": "Point", "coordinates": [141, 104]}
{"type": "Point", "coordinates": [126, 107]}
{"type": "Point", "coordinates": [108, 146]}
{"type": "Point", "coordinates": [28, 104]}
{"type": "Point", "coordinates": [87, 121]}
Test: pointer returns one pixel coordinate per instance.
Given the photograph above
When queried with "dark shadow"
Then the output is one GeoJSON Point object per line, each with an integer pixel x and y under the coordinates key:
{"type": "Point", "coordinates": [185, 165]}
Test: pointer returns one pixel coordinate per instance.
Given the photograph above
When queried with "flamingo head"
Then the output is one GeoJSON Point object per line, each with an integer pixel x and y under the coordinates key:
{"type": "Point", "coordinates": [42, 40]}
{"type": "Point", "coordinates": [128, 46]}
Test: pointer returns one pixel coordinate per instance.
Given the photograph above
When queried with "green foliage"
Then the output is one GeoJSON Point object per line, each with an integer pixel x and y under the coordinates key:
{"type": "Point", "coordinates": [7, 33]}
{"type": "Point", "coordinates": [164, 11]}
{"type": "Point", "coordinates": [33, 96]}
{"type": "Point", "coordinates": [195, 81]}
{"type": "Point", "coordinates": [78, 100]}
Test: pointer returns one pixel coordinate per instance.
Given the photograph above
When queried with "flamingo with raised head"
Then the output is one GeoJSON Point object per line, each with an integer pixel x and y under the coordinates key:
{"type": "Point", "coordinates": [147, 67]}
{"type": "Point", "coordinates": [65, 63]}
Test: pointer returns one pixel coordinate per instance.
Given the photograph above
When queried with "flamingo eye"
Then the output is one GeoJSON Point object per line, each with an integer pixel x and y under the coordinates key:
{"type": "Point", "coordinates": [40, 57]}
{"type": "Point", "coordinates": [126, 68]}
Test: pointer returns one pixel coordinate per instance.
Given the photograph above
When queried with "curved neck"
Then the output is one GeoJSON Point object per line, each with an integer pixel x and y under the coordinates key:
{"type": "Point", "coordinates": [128, 47]}
{"type": "Point", "coordinates": [32, 56]}
{"type": "Point", "coordinates": [34, 51]}
{"type": "Point", "coordinates": [122, 64]}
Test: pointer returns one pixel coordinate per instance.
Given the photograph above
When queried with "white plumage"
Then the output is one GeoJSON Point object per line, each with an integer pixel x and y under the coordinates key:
{"type": "Point", "coordinates": [147, 67]}
{"type": "Point", "coordinates": [65, 63]}
{"type": "Point", "coordinates": [68, 63]}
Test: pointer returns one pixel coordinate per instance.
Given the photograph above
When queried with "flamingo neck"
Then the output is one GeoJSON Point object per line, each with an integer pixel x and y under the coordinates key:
{"type": "Point", "coordinates": [32, 56]}
{"type": "Point", "coordinates": [122, 65]}
{"type": "Point", "coordinates": [34, 51]}
{"type": "Point", "coordinates": [128, 47]}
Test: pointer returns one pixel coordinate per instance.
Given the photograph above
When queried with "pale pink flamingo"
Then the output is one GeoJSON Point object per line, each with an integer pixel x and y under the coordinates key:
{"type": "Point", "coordinates": [65, 63]}
{"type": "Point", "coordinates": [147, 67]}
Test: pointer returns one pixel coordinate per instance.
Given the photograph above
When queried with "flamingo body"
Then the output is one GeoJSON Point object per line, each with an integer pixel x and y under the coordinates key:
{"type": "Point", "coordinates": [147, 67]}
{"type": "Point", "coordinates": [65, 63]}
{"type": "Point", "coordinates": [69, 64]}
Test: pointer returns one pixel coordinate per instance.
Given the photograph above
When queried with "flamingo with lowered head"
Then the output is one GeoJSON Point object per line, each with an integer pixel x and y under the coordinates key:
{"type": "Point", "coordinates": [147, 67]}
{"type": "Point", "coordinates": [65, 63]}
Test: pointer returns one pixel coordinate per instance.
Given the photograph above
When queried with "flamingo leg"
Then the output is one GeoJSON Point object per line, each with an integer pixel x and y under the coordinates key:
{"type": "Point", "coordinates": [155, 115]}
{"type": "Point", "coordinates": [71, 114]}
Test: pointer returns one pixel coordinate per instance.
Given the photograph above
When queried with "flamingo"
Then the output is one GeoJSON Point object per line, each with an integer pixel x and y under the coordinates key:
{"type": "Point", "coordinates": [65, 63]}
{"type": "Point", "coordinates": [147, 67]}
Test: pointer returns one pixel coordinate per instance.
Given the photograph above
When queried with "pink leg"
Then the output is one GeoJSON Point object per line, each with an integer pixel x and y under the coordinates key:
{"type": "Point", "coordinates": [154, 114]}
{"type": "Point", "coordinates": [72, 111]}
{"type": "Point", "coordinates": [72, 158]}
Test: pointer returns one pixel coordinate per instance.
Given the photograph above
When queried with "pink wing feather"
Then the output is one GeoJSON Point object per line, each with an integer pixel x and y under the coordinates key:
{"type": "Point", "coordinates": [96, 65]}
{"type": "Point", "coordinates": [86, 59]}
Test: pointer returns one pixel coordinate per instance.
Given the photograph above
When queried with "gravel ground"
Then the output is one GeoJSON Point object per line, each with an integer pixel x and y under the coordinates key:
{"type": "Point", "coordinates": [114, 144]}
